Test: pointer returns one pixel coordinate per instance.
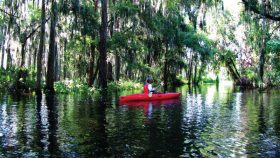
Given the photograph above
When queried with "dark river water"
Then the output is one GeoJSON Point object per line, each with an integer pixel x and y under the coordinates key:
{"type": "Point", "coordinates": [211, 121]}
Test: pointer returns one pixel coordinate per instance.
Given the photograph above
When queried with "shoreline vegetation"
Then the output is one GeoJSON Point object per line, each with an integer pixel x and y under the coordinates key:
{"type": "Point", "coordinates": [26, 84]}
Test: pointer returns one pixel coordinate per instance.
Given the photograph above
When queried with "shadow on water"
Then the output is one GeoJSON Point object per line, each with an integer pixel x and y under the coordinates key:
{"type": "Point", "coordinates": [52, 106]}
{"type": "Point", "coordinates": [39, 126]}
{"type": "Point", "coordinates": [102, 145]}
{"type": "Point", "coordinates": [207, 121]}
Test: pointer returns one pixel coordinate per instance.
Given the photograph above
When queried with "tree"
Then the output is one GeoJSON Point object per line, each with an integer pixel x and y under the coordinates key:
{"type": "Point", "coordinates": [52, 50]}
{"type": "Point", "coordinates": [41, 50]}
{"type": "Point", "coordinates": [263, 41]}
{"type": "Point", "coordinates": [102, 46]}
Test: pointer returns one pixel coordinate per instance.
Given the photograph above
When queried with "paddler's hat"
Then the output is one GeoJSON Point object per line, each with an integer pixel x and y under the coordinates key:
{"type": "Point", "coordinates": [149, 79]}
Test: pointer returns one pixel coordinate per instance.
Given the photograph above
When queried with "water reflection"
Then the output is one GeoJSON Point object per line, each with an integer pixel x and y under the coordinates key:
{"type": "Point", "coordinates": [41, 129]}
{"type": "Point", "coordinates": [210, 121]}
{"type": "Point", "coordinates": [52, 121]}
{"type": "Point", "coordinates": [148, 106]}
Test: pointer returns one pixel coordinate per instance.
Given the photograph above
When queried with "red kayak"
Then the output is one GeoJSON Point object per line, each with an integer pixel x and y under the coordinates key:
{"type": "Point", "coordinates": [146, 97]}
{"type": "Point", "coordinates": [151, 102]}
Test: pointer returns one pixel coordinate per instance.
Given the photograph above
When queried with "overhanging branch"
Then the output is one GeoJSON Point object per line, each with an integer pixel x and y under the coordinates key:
{"type": "Point", "coordinates": [275, 29]}
{"type": "Point", "coordinates": [254, 9]}
{"type": "Point", "coordinates": [2, 10]}
{"type": "Point", "coordinates": [35, 30]}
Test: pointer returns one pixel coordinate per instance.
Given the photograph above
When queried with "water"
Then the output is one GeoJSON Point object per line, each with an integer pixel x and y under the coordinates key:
{"type": "Point", "coordinates": [207, 122]}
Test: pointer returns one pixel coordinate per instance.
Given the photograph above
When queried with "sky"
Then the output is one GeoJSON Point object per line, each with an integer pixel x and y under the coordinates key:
{"type": "Point", "coordinates": [233, 6]}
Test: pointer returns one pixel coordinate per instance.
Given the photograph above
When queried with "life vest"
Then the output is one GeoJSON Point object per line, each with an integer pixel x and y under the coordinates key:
{"type": "Point", "coordinates": [146, 90]}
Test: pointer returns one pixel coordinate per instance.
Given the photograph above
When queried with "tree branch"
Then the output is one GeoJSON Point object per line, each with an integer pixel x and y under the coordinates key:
{"type": "Point", "coordinates": [2, 10]}
{"type": "Point", "coordinates": [253, 8]}
{"type": "Point", "coordinates": [275, 29]}
{"type": "Point", "coordinates": [35, 30]}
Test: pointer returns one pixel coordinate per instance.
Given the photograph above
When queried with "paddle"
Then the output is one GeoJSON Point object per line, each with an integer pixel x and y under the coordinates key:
{"type": "Point", "coordinates": [151, 93]}
{"type": "Point", "coordinates": [161, 84]}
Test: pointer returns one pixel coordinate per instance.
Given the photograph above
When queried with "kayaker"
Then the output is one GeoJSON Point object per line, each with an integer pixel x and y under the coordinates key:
{"type": "Point", "coordinates": [148, 87]}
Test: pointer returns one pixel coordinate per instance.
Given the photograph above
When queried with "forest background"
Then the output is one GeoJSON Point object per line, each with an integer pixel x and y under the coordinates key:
{"type": "Point", "coordinates": [89, 45]}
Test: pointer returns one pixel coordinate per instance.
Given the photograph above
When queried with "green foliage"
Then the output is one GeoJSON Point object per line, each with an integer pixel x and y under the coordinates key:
{"type": "Point", "coordinates": [5, 78]}
{"type": "Point", "coordinates": [17, 79]}
{"type": "Point", "coordinates": [125, 85]}
{"type": "Point", "coordinates": [158, 38]}
{"type": "Point", "coordinates": [125, 9]}
{"type": "Point", "coordinates": [77, 86]}
{"type": "Point", "coordinates": [208, 80]}
{"type": "Point", "coordinates": [258, 32]}
{"type": "Point", "coordinates": [250, 73]}
{"type": "Point", "coordinates": [35, 13]}
{"type": "Point", "coordinates": [274, 77]}
{"type": "Point", "coordinates": [182, 79]}
{"type": "Point", "coordinates": [61, 87]}
{"type": "Point", "coordinates": [76, 51]}
{"type": "Point", "coordinates": [273, 45]}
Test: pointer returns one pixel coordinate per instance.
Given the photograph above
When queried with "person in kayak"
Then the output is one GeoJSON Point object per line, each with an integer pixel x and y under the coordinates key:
{"type": "Point", "coordinates": [148, 87]}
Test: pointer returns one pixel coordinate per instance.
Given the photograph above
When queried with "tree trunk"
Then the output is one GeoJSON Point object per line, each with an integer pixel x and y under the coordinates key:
{"type": "Point", "coordinates": [190, 70]}
{"type": "Point", "coordinates": [3, 48]}
{"type": "Point", "coordinates": [129, 66]}
{"type": "Point", "coordinates": [110, 72]}
{"type": "Point", "coordinates": [35, 56]}
{"type": "Point", "coordinates": [195, 70]}
{"type": "Point", "coordinates": [165, 69]}
{"type": "Point", "coordinates": [60, 62]}
{"type": "Point", "coordinates": [262, 61]}
{"type": "Point", "coordinates": [91, 65]}
{"type": "Point", "coordinates": [234, 74]}
{"type": "Point", "coordinates": [201, 71]}
{"type": "Point", "coordinates": [118, 67]}
{"type": "Point", "coordinates": [115, 24]}
{"type": "Point", "coordinates": [56, 65]}
{"type": "Point", "coordinates": [165, 75]}
{"type": "Point", "coordinates": [102, 47]}
{"type": "Point", "coordinates": [64, 59]}
{"type": "Point", "coordinates": [51, 55]}
{"type": "Point", "coordinates": [234, 68]}
{"type": "Point", "coordinates": [92, 74]}
{"type": "Point", "coordinates": [23, 54]}
{"type": "Point", "coordinates": [9, 56]}
{"type": "Point", "coordinates": [3, 53]}
{"type": "Point", "coordinates": [29, 61]}
{"type": "Point", "coordinates": [118, 58]}
{"type": "Point", "coordinates": [96, 70]}
{"type": "Point", "coordinates": [263, 43]}
{"type": "Point", "coordinates": [41, 49]}
{"type": "Point", "coordinates": [8, 49]}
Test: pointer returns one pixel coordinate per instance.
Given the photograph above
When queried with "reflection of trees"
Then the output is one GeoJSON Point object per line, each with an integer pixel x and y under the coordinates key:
{"type": "Point", "coordinates": [260, 110]}
{"type": "Point", "coordinates": [39, 126]}
{"type": "Point", "coordinates": [175, 136]}
{"type": "Point", "coordinates": [101, 142]}
{"type": "Point", "coordinates": [261, 116]}
{"type": "Point", "coordinates": [164, 132]}
{"type": "Point", "coordinates": [53, 124]}
{"type": "Point", "coordinates": [21, 123]}
{"type": "Point", "coordinates": [276, 122]}
{"type": "Point", "coordinates": [193, 123]}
